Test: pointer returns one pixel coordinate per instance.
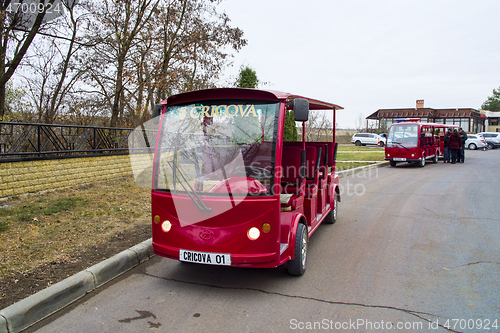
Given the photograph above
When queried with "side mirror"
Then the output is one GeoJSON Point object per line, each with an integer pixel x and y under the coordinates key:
{"type": "Point", "coordinates": [301, 109]}
{"type": "Point", "coordinates": [157, 112]}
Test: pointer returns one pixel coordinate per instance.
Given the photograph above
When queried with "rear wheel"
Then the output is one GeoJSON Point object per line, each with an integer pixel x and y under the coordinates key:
{"type": "Point", "coordinates": [331, 217]}
{"type": "Point", "coordinates": [472, 146]}
{"type": "Point", "coordinates": [297, 266]}
{"type": "Point", "coordinates": [358, 143]}
{"type": "Point", "coordinates": [381, 144]}
{"type": "Point", "coordinates": [392, 163]}
{"type": "Point", "coordinates": [490, 146]}
{"type": "Point", "coordinates": [435, 158]}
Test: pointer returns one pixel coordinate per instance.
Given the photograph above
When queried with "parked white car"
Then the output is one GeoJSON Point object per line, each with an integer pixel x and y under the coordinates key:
{"type": "Point", "coordinates": [474, 142]}
{"type": "Point", "coordinates": [363, 139]}
{"type": "Point", "coordinates": [492, 139]}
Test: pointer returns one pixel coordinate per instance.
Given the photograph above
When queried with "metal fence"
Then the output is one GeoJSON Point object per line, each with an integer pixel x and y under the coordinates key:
{"type": "Point", "coordinates": [21, 141]}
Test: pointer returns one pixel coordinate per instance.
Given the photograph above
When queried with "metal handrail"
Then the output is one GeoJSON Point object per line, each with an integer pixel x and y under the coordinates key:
{"type": "Point", "coordinates": [21, 141]}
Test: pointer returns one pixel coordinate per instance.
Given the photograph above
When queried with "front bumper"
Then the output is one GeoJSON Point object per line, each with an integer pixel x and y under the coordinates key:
{"type": "Point", "coordinates": [258, 260]}
{"type": "Point", "coordinates": [398, 159]}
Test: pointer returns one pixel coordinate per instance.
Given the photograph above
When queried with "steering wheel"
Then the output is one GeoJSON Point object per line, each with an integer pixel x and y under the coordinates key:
{"type": "Point", "coordinates": [253, 171]}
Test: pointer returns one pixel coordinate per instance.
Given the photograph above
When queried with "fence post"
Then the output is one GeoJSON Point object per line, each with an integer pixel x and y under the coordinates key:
{"type": "Point", "coordinates": [39, 139]}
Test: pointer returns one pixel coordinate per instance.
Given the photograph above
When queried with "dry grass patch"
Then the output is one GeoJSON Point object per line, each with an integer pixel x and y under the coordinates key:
{"type": "Point", "coordinates": [38, 229]}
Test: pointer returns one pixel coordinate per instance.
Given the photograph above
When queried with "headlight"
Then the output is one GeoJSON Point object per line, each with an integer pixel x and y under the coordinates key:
{"type": "Point", "coordinates": [253, 233]}
{"type": "Point", "coordinates": [166, 226]}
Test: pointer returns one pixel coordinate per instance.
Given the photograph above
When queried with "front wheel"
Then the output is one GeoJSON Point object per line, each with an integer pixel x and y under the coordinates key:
{"type": "Point", "coordinates": [472, 146]}
{"type": "Point", "coordinates": [435, 158]}
{"type": "Point", "coordinates": [422, 162]}
{"type": "Point", "coordinates": [490, 146]}
{"type": "Point", "coordinates": [297, 266]}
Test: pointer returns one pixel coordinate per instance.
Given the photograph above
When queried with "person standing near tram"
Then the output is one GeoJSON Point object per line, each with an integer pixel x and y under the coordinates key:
{"type": "Point", "coordinates": [446, 156]}
{"type": "Point", "coordinates": [454, 144]}
{"type": "Point", "coordinates": [461, 153]}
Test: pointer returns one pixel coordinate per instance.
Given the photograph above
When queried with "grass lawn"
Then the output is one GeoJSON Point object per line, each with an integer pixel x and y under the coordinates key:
{"type": "Point", "coordinates": [341, 166]}
{"type": "Point", "coordinates": [361, 148]}
{"type": "Point", "coordinates": [356, 156]}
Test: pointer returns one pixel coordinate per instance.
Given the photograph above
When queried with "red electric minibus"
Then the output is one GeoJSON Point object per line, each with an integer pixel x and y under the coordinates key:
{"type": "Point", "coordinates": [227, 190]}
{"type": "Point", "coordinates": [409, 140]}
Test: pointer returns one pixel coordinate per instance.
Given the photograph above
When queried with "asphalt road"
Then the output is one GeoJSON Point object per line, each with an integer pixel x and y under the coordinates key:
{"type": "Point", "coordinates": [414, 250]}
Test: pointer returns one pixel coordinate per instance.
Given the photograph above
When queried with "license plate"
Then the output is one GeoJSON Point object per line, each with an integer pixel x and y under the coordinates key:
{"type": "Point", "coordinates": [399, 159]}
{"type": "Point", "coordinates": [205, 257]}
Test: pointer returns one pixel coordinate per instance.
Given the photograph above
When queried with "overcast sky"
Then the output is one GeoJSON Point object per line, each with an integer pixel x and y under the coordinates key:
{"type": "Point", "coordinates": [370, 54]}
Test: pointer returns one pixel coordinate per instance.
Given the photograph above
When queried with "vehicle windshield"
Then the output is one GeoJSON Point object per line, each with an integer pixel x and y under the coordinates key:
{"type": "Point", "coordinates": [218, 148]}
{"type": "Point", "coordinates": [403, 135]}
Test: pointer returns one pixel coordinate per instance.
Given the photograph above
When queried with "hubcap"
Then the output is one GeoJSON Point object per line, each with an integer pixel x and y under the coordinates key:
{"type": "Point", "coordinates": [303, 249]}
{"type": "Point", "coordinates": [335, 202]}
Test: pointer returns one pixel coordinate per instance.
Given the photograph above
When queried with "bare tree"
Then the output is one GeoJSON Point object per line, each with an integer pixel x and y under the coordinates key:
{"type": "Point", "coordinates": [154, 49]}
{"type": "Point", "coordinates": [118, 23]}
{"type": "Point", "coordinates": [319, 127]}
{"type": "Point", "coordinates": [192, 37]}
{"type": "Point", "coordinates": [359, 123]}
{"type": "Point", "coordinates": [53, 66]}
{"type": "Point", "coordinates": [16, 35]}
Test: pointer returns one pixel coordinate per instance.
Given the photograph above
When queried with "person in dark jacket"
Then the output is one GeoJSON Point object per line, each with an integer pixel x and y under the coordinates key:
{"type": "Point", "coordinates": [454, 144]}
{"type": "Point", "coordinates": [446, 156]}
{"type": "Point", "coordinates": [461, 152]}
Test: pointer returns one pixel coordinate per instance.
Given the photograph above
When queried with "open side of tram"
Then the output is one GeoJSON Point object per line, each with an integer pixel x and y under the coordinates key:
{"type": "Point", "coordinates": [227, 190]}
{"type": "Point", "coordinates": [411, 141]}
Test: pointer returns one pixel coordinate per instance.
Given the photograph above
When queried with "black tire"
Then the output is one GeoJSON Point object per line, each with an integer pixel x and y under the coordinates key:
{"type": "Point", "coordinates": [490, 146]}
{"type": "Point", "coordinates": [472, 146]}
{"type": "Point", "coordinates": [435, 159]}
{"type": "Point", "coordinates": [331, 217]}
{"type": "Point", "coordinates": [357, 143]}
{"type": "Point", "coordinates": [297, 266]}
{"type": "Point", "coordinates": [392, 163]}
{"type": "Point", "coordinates": [422, 162]}
{"type": "Point", "coordinates": [382, 144]}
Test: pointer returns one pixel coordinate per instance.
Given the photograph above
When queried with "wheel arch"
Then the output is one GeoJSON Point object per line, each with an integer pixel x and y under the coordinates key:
{"type": "Point", "coordinates": [337, 192]}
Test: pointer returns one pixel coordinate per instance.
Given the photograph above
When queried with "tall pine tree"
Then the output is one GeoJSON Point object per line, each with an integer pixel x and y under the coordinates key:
{"type": "Point", "coordinates": [247, 129]}
{"type": "Point", "coordinates": [493, 102]}
{"type": "Point", "coordinates": [247, 78]}
{"type": "Point", "coordinates": [290, 131]}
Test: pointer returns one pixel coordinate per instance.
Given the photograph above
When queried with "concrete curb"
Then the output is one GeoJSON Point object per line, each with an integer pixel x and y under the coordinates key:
{"type": "Point", "coordinates": [34, 308]}
{"type": "Point", "coordinates": [349, 172]}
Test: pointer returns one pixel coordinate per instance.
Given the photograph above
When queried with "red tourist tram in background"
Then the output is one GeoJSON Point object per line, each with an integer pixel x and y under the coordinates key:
{"type": "Point", "coordinates": [227, 190]}
{"type": "Point", "coordinates": [409, 140]}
